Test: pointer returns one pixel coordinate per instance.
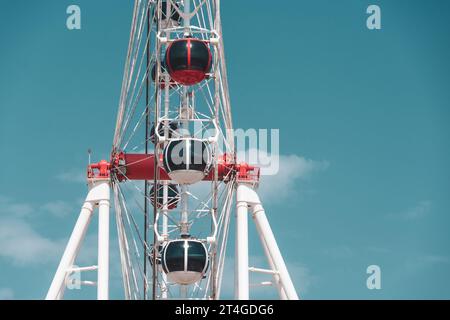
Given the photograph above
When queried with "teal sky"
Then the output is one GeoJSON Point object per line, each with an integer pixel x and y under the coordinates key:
{"type": "Point", "coordinates": [363, 113]}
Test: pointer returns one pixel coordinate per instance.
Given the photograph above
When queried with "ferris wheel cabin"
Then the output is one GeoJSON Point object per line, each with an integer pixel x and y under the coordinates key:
{"type": "Point", "coordinates": [175, 17]}
{"type": "Point", "coordinates": [162, 79]}
{"type": "Point", "coordinates": [188, 61]}
{"type": "Point", "coordinates": [185, 261]}
{"type": "Point", "coordinates": [172, 127]}
{"type": "Point", "coordinates": [187, 161]}
{"type": "Point", "coordinates": [173, 196]}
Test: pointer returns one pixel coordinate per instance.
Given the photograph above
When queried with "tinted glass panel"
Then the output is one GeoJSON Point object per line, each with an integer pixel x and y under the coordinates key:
{"type": "Point", "coordinates": [154, 72]}
{"type": "Point", "coordinates": [197, 257]}
{"type": "Point", "coordinates": [178, 55]}
{"type": "Point", "coordinates": [172, 195]}
{"type": "Point", "coordinates": [174, 157]}
{"type": "Point", "coordinates": [199, 156]}
{"type": "Point", "coordinates": [174, 13]}
{"type": "Point", "coordinates": [199, 56]}
{"type": "Point", "coordinates": [175, 256]}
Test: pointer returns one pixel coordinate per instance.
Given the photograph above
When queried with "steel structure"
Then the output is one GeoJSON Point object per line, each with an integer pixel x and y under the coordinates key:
{"type": "Point", "coordinates": [188, 206]}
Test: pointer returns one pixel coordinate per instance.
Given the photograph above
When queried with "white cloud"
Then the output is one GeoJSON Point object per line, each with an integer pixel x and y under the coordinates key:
{"type": "Point", "coordinates": [339, 252]}
{"type": "Point", "coordinates": [419, 211]}
{"type": "Point", "coordinates": [379, 250]}
{"type": "Point", "coordinates": [415, 263]}
{"type": "Point", "coordinates": [436, 259]}
{"type": "Point", "coordinates": [72, 175]}
{"type": "Point", "coordinates": [302, 277]}
{"type": "Point", "coordinates": [11, 208]}
{"type": "Point", "coordinates": [6, 294]}
{"type": "Point", "coordinates": [292, 168]}
{"type": "Point", "coordinates": [20, 242]}
{"type": "Point", "coordinates": [22, 245]}
{"type": "Point", "coordinates": [58, 208]}
{"type": "Point", "coordinates": [422, 209]}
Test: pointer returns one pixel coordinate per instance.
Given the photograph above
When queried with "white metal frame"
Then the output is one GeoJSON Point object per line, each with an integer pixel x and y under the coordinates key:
{"type": "Point", "coordinates": [97, 197]}
{"type": "Point", "coordinates": [246, 197]}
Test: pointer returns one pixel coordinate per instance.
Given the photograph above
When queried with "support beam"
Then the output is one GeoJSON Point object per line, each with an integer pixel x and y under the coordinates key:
{"type": "Point", "coordinates": [98, 195]}
{"type": "Point", "coordinates": [103, 251]}
{"type": "Point", "coordinates": [241, 260]}
{"type": "Point", "coordinates": [276, 277]}
{"type": "Point", "coordinates": [247, 197]}
{"type": "Point", "coordinates": [259, 216]}
{"type": "Point", "coordinates": [58, 285]}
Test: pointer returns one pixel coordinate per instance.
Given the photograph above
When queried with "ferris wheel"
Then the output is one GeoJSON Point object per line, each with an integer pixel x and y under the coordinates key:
{"type": "Point", "coordinates": [173, 167]}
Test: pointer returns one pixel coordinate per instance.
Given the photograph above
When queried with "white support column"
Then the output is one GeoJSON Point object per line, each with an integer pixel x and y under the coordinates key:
{"type": "Point", "coordinates": [58, 285]}
{"type": "Point", "coordinates": [276, 277]}
{"type": "Point", "coordinates": [241, 260]}
{"type": "Point", "coordinates": [261, 221]}
{"type": "Point", "coordinates": [165, 231]}
{"type": "Point", "coordinates": [103, 251]}
{"type": "Point", "coordinates": [99, 194]}
{"type": "Point", "coordinates": [246, 194]}
{"type": "Point", "coordinates": [187, 16]}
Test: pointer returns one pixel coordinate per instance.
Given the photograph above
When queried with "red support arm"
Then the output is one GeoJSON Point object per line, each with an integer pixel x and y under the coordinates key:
{"type": "Point", "coordinates": [138, 166]}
